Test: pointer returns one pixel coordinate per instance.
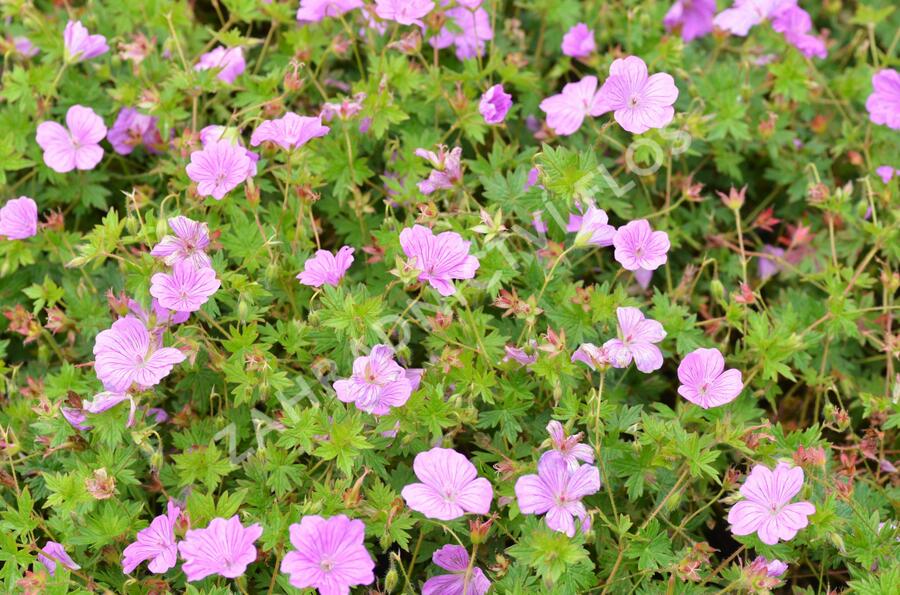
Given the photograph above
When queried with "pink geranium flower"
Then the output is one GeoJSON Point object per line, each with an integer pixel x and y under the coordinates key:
{"type": "Point", "coordinates": [218, 168]}
{"type": "Point", "coordinates": [133, 129]}
{"type": "Point", "coordinates": [639, 102]}
{"type": "Point", "coordinates": [637, 340]}
{"type": "Point", "coordinates": [77, 146]}
{"type": "Point", "coordinates": [313, 11]}
{"type": "Point", "coordinates": [80, 45]}
{"type": "Point", "coordinates": [330, 555]}
{"type": "Point", "coordinates": [568, 448]}
{"type": "Point", "coordinates": [214, 133]}
{"type": "Point", "coordinates": [744, 15]}
{"type": "Point", "coordinates": [228, 61]}
{"type": "Point", "coordinates": [519, 355]}
{"type": "Point", "coordinates": [795, 24]}
{"type": "Point", "coordinates": [885, 172]}
{"type": "Point", "coordinates": [639, 247]}
{"type": "Point", "coordinates": [591, 228]}
{"type": "Point", "coordinates": [447, 170]}
{"type": "Point", "coordinates": [187, 245]}
{"type": "Point", "coordinates": [767, 509]}
{"type": "Point", "coordinates": [557, 492]}
{"type": "Point", "coordinates": [405, 12]}
{"type": "Point", "coordinates": [289, 131]}
{"type": "Point", "coordinates": [883, 104]}
{"type": "Point", "coordinates": [225, 548]}
{"type": "Point", "coordinates": [107, 400]}
{"type": "Point", "coordinates": [326, 268]}
{"type": "Point", "coordinates": [378, 382]}
{"type": "Point", "coordinates": [694, 18]}
{"type": "Point", "coordinates": [566, 111]}
{"type": "Point", "coordinates": [593, 357]}
{"type": "Point", "coordinates": [495, 104]}
{"type": "Point", "coordinates": [54, 552]}
{"type": "Point", "coordinates": [472, 29]}
{"type": "Point", "coordinates": [449, 488]}
{"type": "Point", "coordinates": [24, 47]}
{"type": "Point", "coordinates": [705, 381]}
{"type": "Point", "coordinates": [441, 258]}
{"type": "Point", "coordinates": [186, 288]}
{"type": "Point", "coordinates": [455, 558]}
{"type": "Point", "coordinates": [578, 42]}
{"type": "Point", "coordinates": [124, 356]}
{"type": "Point", "coordinates": [155, 543]}
{"type": "Point", "coordinates": [18, 219]}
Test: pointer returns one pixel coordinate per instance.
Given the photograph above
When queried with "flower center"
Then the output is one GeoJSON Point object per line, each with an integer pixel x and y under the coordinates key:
{"type": "Point", "coordinates": [633, 101]}
{"type": "Point", "coordinates": [449, 494]}
{"type": "Point", "coordinates": [326, 564]}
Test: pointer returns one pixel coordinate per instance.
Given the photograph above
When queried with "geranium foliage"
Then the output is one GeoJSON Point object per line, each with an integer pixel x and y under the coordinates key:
{"type": "Point", "coordinates": [449, 297]}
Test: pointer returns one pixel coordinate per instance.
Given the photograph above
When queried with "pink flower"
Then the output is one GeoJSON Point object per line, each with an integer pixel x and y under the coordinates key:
{"type": "Point", "coordinates": [767, 266]}
{"type": "Point", "coordinates": [313, 11]}
{"type": "Point", "coordinates": [693, 17]}
{"type": "Point", "coordinates": [107, 400]}
{"type": "Point", "coordinates": [225, 548]}
{"type": "Point", "coordinates": [643, 277]}
{"type": "Point", "coordinates": [447, 170]}
{"type": "Point", "coordinates": [18, 218]}
{"type": "Point", "coordinates": [289, 131]}
{"type": "Point", "coordinates": [578, 42]}
{"type": "Point", "coordinates": [218, 168]}
{"type": "Point", "coordinates": [455, 558]}
{"type": "Point", "coordinates": [378, 382]}
{"type": "Point", "coordinates": [441, 258]}
{"type": "Point", "coordinates": [557, 491]}
{"type": "Point", "coordinates": [155, 543]}
{"type": "Point", "coordinates": [133, 129]}
{"type": "Point", "coordinates": [24, 47]}
{"type": "Point", "coordinates": [637, 339]}
{"type": "Point", "coordinates": [519, 355]}
{"type": "Point", "coordinates": [705, 381]}
{"type": "Point", "coordinates": [773, 569]}
{"type": "Point", "coordinates": [81, 45]}
{"type": "Point", "coordinates": [187, 245]}
{"type": "Point", "coordinates": [568, 448]}
{"type": "Point", "coordinates": [566, 111]}
{"type": "Point", "coordinates": [639, 247]}
{"type": "Point", "coordinates": [591, 228]}
{"type": "Point", "coordinates": [75, 147]}
{"type": "Point", "coordinates": [745, 14]}
{"type": "Point", "coordinates": [593, 357]}
{"type": "Point", "coordinates": [330, 555]}
{"type": "Point", "coordinates": [795, 24]}
{"type": "Point", "coordinates": [450, 486]}
{"type": "Point", "coordinates": [124, 356]}
{"type": "Point", "coordinates": [326, 268]}
{"type": "Point", "coordinates": [883, 104]}
{"type": "Point", "coordinates": [213, 133]}
{"type": "Point", "coordinates": [885, 172]}
{"type": "Point", "coordinates": [766, 509]}
{"type": "Point", "coordinates": [495, 104]}
{"type": "Point", "coordinates": [186, 288]}
{"type": "Point", "coordinates": [228, 61]}
{"type": "Point", "coordinates": [76, 418]}
{"type": "Point", "coordinates": [405, 12]}
{"type": "Point", "coordinates": [638, 102]}
{"type": "Point", "coordinates": [472, 30]}
{"type": "Point", "coordinates": [54, 552]}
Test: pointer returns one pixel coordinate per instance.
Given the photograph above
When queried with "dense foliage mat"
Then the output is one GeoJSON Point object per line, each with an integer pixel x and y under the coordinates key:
{"type": "Point", "coordinates": [449, 297]}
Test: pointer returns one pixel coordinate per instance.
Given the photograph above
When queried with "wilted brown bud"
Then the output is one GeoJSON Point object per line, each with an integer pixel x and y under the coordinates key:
{"type": "Point", "coordinates": [101, 485]}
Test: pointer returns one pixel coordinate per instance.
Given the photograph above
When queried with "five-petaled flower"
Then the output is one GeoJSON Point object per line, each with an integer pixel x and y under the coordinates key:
{"type": "Point", "coordinates": [767, 509]}
{"type": "Point", "coordinates": [449, 488]}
